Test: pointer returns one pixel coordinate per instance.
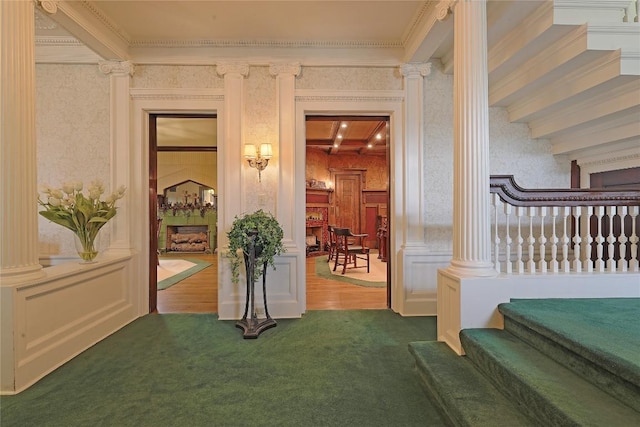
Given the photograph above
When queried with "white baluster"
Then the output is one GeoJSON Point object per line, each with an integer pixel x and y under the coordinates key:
{"type": "Point", "coordinates": [542, 241]}
{"type": "Point", "coordinates": [587, 248]}
{"type": "Point", "coordinates": [554, 241]}
{"type": "Point", "coordinates": [611, 239]}
{"type": "Point", "coordinates": [622, 239]}
{"type": "Point", "coordinates": [507, 239]}
{"type": "Point", "coordinates": [599, 263]}
{"type": "Point", "coordinates": [633, 263]}
{"type": "Point", "coordinates": [566, 265]}
{"type": "Point", "coordinates": [577, 240]}
{"type": "Point", "coordinates": [519, 240]}
{"type": "Point", "coordinates": [531, 265]}
{"type": "Point", "coordinates": [496, 237]}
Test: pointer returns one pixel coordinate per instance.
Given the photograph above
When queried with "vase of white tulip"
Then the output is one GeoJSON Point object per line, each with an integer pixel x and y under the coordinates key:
{"type": "Point", "coordinates": [83, 214]}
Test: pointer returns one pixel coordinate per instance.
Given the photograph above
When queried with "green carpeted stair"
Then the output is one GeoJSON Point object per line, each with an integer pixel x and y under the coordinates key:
{"type": "Point", "coordinates": [558, 362]}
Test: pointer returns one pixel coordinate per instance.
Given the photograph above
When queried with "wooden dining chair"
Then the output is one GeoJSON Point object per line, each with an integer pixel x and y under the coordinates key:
{"type": "Point", "coordinates": [332, 243]}
{"type": "Point", "coordinates": [349, 249]}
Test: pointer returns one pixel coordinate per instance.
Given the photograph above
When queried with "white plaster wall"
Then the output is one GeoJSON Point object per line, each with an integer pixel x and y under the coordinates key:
{"type": "Point", "coordinates": [349, 78]}
{"type": "Point", "coordinates": [512, 152]}
{"type": "Point", "coordinates": [176, 76]}
{"type": "Point", "coordinates": [72, 131]}
{"type": "Point", "coordinates": [260, 124]}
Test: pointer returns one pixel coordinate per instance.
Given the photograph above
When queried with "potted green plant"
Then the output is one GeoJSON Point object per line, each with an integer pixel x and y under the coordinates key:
{"type": "Point", "coordinates": [268, 242]}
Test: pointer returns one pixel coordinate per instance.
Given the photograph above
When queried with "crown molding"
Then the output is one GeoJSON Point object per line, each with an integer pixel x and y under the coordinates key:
{"type": "Point", "coordinates": [63, 50]}
{"type": "Point", "coordinates": [268, 44]}
{"type": "Point", "coordinates": [349, 96]}
{"type": "Point", "coordinates": [177, 94]}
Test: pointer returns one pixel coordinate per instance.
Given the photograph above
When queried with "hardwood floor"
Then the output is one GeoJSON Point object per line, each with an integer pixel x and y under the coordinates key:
{"type": "Point", "coordinates": [199, 293]}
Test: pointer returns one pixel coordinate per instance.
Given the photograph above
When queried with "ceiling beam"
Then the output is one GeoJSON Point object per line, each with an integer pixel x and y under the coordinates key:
{"type": "Point", "coordinates": [86, 23]}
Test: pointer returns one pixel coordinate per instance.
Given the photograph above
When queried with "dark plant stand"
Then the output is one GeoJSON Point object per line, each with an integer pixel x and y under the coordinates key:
{"type": "Point", "coordinates": [253, 326]}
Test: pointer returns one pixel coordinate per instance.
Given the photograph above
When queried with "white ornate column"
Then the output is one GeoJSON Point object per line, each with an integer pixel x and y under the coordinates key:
{"type": "Point", "coordinates": [290, 288]}
{"type": "Point", "coordinates": [120, 73]}
{"type": "Point", "coordinates": [19, 253]}
{"type": "Point", "coordinates": [465, 286]}
{"type": "Point", "coordinates": [285, 75]}
{"type": "Point", "coordinates": [413, 229]}
{"type": "Point", "coordinates": [414, 294]}
{"type": "Point", "coordinates": [471, 219]}
{"type": "Point", "coordinates": [231, 165]}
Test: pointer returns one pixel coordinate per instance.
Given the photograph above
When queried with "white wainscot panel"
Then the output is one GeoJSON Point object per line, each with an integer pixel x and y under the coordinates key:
{"type": "Point", "coordinates": [61, 316]}
{"type": "Point", "coordinates": [283, 300]}
{"type": "Point", "coordinates": [420, 281]}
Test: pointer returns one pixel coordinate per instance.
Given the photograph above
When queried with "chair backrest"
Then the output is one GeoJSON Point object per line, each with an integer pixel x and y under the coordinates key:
{"type": "Point", "coordinates": [332, 235]}
{"type": "Point", "coordinates": [341, 235]}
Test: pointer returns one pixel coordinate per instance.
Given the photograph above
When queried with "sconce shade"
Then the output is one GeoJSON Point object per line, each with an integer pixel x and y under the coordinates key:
{"type": "Point", "coordinates": [250, 151]}
{"type": "Point", "coordinates": [265, 151]}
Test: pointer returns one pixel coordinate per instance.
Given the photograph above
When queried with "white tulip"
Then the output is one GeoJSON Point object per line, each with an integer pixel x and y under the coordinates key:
{"type": "Point", "coordinates": [68, 187]}
{"type": "Point", "coordinates": [53, 201]}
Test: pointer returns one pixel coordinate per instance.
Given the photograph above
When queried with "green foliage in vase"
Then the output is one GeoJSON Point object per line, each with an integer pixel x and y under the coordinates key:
{"type": "Point", "coordinates": [83, 214]}
{"type": "Point", "coordinates": [268, 241]}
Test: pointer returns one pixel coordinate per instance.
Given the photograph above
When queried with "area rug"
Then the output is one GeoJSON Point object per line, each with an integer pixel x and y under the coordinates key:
{"type": "Point", "coordinates": [172, 271]}
{"type": "Point", "coordinates": [376, 278]}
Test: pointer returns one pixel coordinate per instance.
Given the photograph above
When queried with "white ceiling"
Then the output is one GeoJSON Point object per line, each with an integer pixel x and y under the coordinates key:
{"type": "Point", "coordinates": [143, 21]}
{"type": "Point", "coordinates": [310, 32]}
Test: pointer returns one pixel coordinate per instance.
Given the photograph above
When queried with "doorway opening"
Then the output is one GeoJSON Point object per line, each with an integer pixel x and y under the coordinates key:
{"type": "Point", "coordinates": [183, 213]}
{"type": "Point", "coordinates": [347, 186]}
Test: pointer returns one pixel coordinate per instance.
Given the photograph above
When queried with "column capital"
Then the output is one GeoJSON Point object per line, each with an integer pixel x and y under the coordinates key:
{"type": "Point", "coordinates": [116, 67]}
{"type": "Point", "coordinates": [49, 6]}
{"type": "Point", "coordinates": [285, 68]}
{"type": "Point", "coordinates": [241, 68]}
{"type": "Point", "coordinates": [416, 69]}
{"type": "Point", "coordinates": [444, 9]}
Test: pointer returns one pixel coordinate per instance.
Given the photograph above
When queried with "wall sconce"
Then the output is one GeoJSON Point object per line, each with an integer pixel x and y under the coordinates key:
{"type": "Point", "coordinates": [258, 160]}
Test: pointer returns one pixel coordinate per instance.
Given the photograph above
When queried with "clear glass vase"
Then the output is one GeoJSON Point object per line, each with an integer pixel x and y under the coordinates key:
{"type": "Point", "coordinates": [87, 248]}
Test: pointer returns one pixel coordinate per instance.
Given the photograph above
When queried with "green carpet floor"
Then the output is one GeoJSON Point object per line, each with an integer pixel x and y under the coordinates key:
{"type": "Point", "coordinates": [330, 368]}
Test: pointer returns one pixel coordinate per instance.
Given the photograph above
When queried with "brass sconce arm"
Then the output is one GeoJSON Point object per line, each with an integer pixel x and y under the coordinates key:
{"type": "Point", "coordinates": [258, 160]}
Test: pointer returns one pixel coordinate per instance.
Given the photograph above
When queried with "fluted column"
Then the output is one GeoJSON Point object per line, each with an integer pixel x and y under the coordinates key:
{"type": "Point", "coordinates": [230, 155]}
{"type": "Point", "coordinates": [413, 229]}
{"type": "Point", "coordinates": [19, 242]}
{"type": "Point", "coordinates": [285, 75]}
{"type": "Point", "coordinates": [120, 73]}
{"type": "Point", "coordinates": [471, 219]}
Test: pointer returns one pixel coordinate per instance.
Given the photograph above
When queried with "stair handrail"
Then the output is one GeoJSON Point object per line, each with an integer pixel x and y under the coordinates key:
{"type": "Point", "coordinates": [510, 192]}
{"type": "Point", "coordinates": [539, 231]}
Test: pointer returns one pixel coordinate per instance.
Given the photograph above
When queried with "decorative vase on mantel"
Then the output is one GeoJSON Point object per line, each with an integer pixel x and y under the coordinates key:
{"type": "Point", "coordinates": [87, 247]}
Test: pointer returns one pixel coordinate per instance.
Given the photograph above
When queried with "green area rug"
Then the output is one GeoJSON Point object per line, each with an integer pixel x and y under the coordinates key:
{"type": "Point", "coordinates": [323, 269]}
{"type": "Point", "coordinates": [170, 281]}
{"type": "Point", "coordinates": [329, 368]}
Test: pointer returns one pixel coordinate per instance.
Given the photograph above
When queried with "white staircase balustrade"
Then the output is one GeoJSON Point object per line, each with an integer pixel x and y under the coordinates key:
{"type": "Point", "coordinates": [595, 232]}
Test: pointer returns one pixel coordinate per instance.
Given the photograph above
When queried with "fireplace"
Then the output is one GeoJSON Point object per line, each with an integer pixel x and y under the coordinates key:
{"type": "Point", "coordinates": [317, 226]}
{"type": "Point", "coordinates": [188, 238]}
